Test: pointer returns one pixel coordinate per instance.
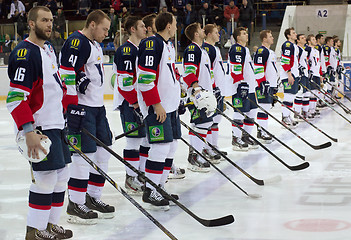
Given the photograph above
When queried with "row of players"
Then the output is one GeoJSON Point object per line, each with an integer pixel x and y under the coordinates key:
{"type": "Point", "coordinates": [147, 90]}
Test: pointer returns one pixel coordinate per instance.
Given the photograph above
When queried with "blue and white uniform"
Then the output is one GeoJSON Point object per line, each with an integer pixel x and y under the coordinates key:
{"type": "Point", "coordinates": [35, 97]}
{"type": "Point", "coordinates": [81, 64]}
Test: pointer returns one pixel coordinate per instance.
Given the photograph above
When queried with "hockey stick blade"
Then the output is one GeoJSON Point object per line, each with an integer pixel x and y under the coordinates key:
{"type": "Point", "coordinates": [216, 222]}
{"type": "Point", "coordinates": [208, 223]}
{"type": "Point", "coordinates": [324, 145]}
{"type": "Point", "coordinates": [299, 167]}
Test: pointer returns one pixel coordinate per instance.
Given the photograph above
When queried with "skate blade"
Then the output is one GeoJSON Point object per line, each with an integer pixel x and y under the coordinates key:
{"type": "Point", "coordinates": [237, 149]}
{"type": "Point", "coordinates": [253, 146]}
{"type": "Point", "coordinates": [198, 169]}
{"type": "Point", "coordinates": [151, 207]}
{"type": "Point", "coordinates": [215, 161]}
{"type": "Point", "coordinates": [173, 176]}
{"type": "Point", "coordinates": [133, 192]}
{"type": "Point", "coordinates": [105, 215]}
{"type": "Point", "coordinates": [77, 220]}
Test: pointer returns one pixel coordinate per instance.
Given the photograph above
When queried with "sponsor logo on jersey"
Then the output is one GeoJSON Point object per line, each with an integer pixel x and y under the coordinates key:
{"type": "Point", "coordinates": [238, 102]}
{"type": "Point", "coordinates": [75, 140]}
{"type": "Point", "coordinates": [149, 45]}
{"type": "Point", "coordinates": [50, 48]}
{"type": "Point", "coordinates": [75, 43]}
{"type": "Point", "coordinates": [22, 53]}
{"type": "Point", "coordinates": [130, 126]}
{"type": "Point", "coordinates": [238, 49]}
{"type": "Point", "coordinates": [126, 51]}
{"type": "Point", "coordinates": [156, 133]}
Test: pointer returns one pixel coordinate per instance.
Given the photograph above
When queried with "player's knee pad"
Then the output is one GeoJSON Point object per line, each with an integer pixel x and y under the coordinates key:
{"type": "Point", "coordinates": [79, 168]}
{"type": "Point", "coordinates": [252, 113]}
{"type": "Point", "coordinates": [133, 143]}
{"type": "Point", "coordinates": [288, 97]}
{"type": "Point", "coordinates": [265, 106]}
{"type": "Point", "coordinates": [45, 181]}
{"type": "Point", "coordinates": [62, 179]}
{"type": "Point", "coordinates": [238, 116]}
{"type": "Point", "coordinates": [217, 119]}
{"type": "Point", "coordinates": [159, 151]}
{"type": "Point", "coordinates": [173, 149]}
{"type": "Point", "coordinates": [101, 158]}
{"type": "Point", "coordinates": [145, 142]}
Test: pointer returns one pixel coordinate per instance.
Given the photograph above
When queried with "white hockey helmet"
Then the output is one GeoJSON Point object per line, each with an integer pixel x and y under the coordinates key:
{"type": "Point", "coordinates": [22, 147]}
{"type": "Point", "coordinates": [205, 100]}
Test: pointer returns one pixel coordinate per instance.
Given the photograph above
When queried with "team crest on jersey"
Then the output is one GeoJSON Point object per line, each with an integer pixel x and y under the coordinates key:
{"type": "Point", "coordinates": [75, 43]}
{"type": "Point", "coordinates": [260, 50]}
{"type": "Point", "coordinates": [238, 49]}
{"type": "Point", "coordinates": [288, 44]}
{"type": "Point", "coordinates": [207, 49]}
{"type": "Point", "coordinates": [156, 133]}
{"type": "Point", "coordinates": [22, 54]}
{"type": "Point", "coordinates": [191, 48]}
{"type": "Point", "coordinates": [99, 58]}
{"type": "Point", "coordinates": [149, 45]}
{"type": "Point", "coordinates": [50, 48]}
{"type": "Point", "coordinates": [126, 51]}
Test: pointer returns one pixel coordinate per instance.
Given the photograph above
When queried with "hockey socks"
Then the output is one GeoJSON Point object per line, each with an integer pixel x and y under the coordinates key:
{"type": "Point", "coordinates": [166, 169]}
{"type": "Point", "coordinates": [143, 155]}
{"type": "Point", "coordinates": [154, 171]}
{"type": "Point", "coordinates": [132, 157]}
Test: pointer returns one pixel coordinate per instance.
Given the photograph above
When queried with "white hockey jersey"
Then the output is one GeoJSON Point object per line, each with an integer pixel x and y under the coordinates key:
{"type": "Point", "coordinates": [266, 66]}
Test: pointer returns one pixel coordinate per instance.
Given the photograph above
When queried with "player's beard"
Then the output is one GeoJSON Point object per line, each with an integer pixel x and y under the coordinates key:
{"type": "Point", "coordinates": [40, 33]}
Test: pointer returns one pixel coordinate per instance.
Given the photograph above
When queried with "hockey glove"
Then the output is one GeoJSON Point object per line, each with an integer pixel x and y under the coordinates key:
{"type": "Point", "coordinates": [243, 90]}
{"type": "Point", "coordinates": [339, 69]}
{"type": "Point", "coordinates": [310, 75]}
{"type": "Point", "coordinates": [217, 93]}
{"type": "Point", "coordinates": [330, 71]}
{"type": "Point", "coordinates": [82, 82]}
{"type": "Point", "coordinates": [75, 117]}
{"type": "Point", "coordinates": [204, 100]}
{"type": "Point", "coordinates": [264, 88]}
{"type": "Point", "coordinates": [138, 116]}
{"type": "Point", "coordinates": [302, 70]}
{"type": "Point", "coordinates": [181, 108]}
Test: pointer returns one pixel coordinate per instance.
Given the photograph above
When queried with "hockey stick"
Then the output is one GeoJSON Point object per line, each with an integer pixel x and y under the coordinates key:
{"type": "Point", "coordinates": [326, 94]}
{"type": "Point", "coordinates": [292, 168]}
{"type": "Point", "coordinates": [125, 194]}
{"type": "Point", "coordinates": [331, 138]}
{"type": "Point", "coordinates": [207, 223]}
{"type": "Point", "coordinates": [213, 165]}
{"type": "Point", "coordinates": [324, 145]}
{"type": "Point", "coordinates": [327, 104]}
{"type": "Point", "coordinates": [278, 140]}
{"type": "Point", "coordinates": [129, 132]}
{"type": "Point", "coordinates": [344, 95]}
{"type": "Point", "coordinates": [257, 181]}
{"type": "Point", "coordinates": [344, 83]}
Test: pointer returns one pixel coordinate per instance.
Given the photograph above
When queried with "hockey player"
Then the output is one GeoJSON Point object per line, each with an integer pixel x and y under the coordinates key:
{"type": "Point", "coordinates": [197, 76]}
{"type": "Point", "coordinates": [330, 64]}
{"type": "Point", "coordinates": [314, 72]}
{"type": "Point", "coordinates": [35, 102]}
{"type": "Point", "coordinates": [81, 69]}
{"type": "Point", "coordinates": [320, 40]}
{"type": "Point", "coordinates": [243, 76]}
{"type": "Point", "coordinates": [302, 100]}
{"type": "Point", "coordinates": [126, 100]}
{"type": "Point", "coordinates": [216, 64]}
{"type": "Point", "coordinates": [289, 74]}
{"type": "Point", "coordinates": [266, 76]}
{"type": "Point", "coordinates": [339, 65]}
{"type": "Point", "coordinates": [158, 97]}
